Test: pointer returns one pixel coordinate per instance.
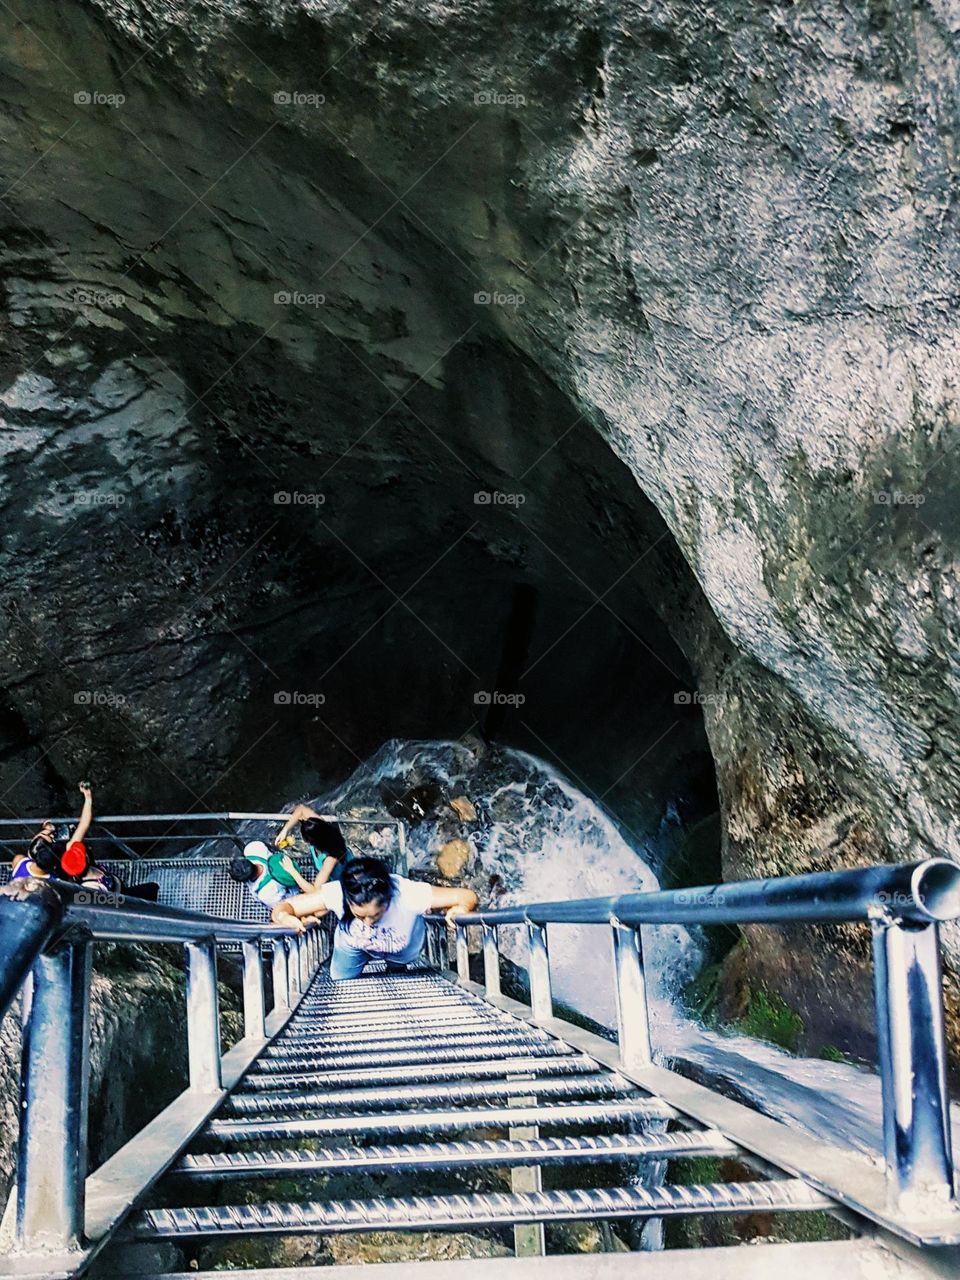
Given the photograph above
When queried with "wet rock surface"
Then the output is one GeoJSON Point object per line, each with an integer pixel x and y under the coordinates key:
{"type": "Point", "coordinates": [683, 281]}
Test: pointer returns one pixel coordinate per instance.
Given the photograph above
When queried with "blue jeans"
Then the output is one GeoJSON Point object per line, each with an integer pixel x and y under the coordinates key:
{"type": "Point", "coordinates": [349, 961]}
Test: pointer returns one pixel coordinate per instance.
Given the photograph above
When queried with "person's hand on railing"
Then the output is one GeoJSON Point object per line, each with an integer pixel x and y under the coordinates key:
{"type": "Point", "coordinates": [452, 902]}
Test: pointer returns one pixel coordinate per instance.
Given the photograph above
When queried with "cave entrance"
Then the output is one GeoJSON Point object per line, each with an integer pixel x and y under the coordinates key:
{"type": "Point", "coordinates": [306, 481]}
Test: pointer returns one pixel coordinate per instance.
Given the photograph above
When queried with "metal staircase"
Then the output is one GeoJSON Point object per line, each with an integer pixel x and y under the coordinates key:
{"type": "Point", "coordinates": [427, 1101]}
{"type": "Point", "coordinates": [485, 1070]}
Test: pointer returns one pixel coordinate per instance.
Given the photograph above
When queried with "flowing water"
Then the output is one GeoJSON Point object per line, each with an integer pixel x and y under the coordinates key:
{"type": "Point", "coordinates": [536, 837]}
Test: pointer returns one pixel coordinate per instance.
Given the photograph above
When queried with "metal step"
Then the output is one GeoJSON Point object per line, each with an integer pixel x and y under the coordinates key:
{"type": "Point", "coordinates": [333, 998]}
{"type": "Point", "coordinates": [388, 1030]}
{"type": "Point", "coordinates": [415, 1008]}
{"type": "Point", "coordinates": [406, 995]}
{"type": "Point", "coordinates": [311, 1046]}
{"type": "Point", "coordinates": [378, 981]}
{"type": "Point", "coordinates": [362, 1021]}
{"type": "Point", "coordinates": [394, 1050]}
{"type": "Point", "coordinates": [386, 1008]}
{"type": "Point", "coordinates": [494, 1209]}
{"type": "Point", "coordinates": [593, 1113]}
{"type": "Point", "coordinates": [365, 1033]}
{"type": "Point", "coordinates": [405, 1095]}
{"type": "Point", "coordinates": [387, 1024]}
{"type": "Point", "coordinates": [551, 1049]}
{"type": "Point", "coordinates": [512, 1152]}
{"type": "Point", "coordinates": [417, 1073]}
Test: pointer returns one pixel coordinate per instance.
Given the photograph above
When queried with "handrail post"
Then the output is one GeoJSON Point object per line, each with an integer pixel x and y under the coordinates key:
{"type": "Point", "coordinates": [430, 945]}
{"type": "Point", "coordinates": [54, 1095]}
{"type": "Point", "coordinates": [912, 1059]}
{"type": "Point", "coordinates": [29, 913]}
{"type": "Point", "coordinates": [538, 972]}
{"type": "Point", "coordinates": [293, 970]}
{"type": "Point", "coordinates": [632, 1013]}
{"type": "Point", "coordinates": [491, 960]}
{"type": "Point", "coordinates": [281, 991]}
{"type": "Point", "coordinates": [304, 961]}
{"type": "Point", "coordinates": [254, 1005]}
{"type": "Point", "coordinates": [463, 953]}
{"type": "Point", "coordinates": [203, 1017]}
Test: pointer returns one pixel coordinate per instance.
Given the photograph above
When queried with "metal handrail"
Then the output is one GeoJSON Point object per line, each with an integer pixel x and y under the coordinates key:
{"type": "Point", "coordinates": [921, 892]}
{"type": "Point", "coordinates": [228, 816]}
{"type": "Point", "coordinates": [55, 907]}
{"type": "Point", "coordinates": [100, 833]}
{"type": "Point", "coordinates": [904, 906]}
{"type": "Point", "coordinates": [46, 931]}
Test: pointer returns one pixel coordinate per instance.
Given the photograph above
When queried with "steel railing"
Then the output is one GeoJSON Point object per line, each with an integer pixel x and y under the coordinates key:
{"type": "Point", "coordinates": [46, 931]}
{"type": "Point", "coordinates": [46, 928]}
{"type": "Point", "coordinates": [904, 906]}
{"type": "Point", "coordinates": [103, 829]}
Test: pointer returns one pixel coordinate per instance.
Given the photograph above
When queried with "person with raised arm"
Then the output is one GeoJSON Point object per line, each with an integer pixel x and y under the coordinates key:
{"type": "Point", "coordinates": [47, 856]}
{"type": "Point", "coordinates": [328, 849]}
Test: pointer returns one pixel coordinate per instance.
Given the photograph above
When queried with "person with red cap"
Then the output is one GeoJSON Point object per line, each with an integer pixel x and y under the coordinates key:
{"type": "Point", "coordinates": [45, 858]}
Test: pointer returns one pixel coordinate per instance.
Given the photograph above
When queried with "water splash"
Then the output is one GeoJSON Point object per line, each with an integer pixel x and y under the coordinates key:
{"type": "Point", "coordinates": [537, 837]}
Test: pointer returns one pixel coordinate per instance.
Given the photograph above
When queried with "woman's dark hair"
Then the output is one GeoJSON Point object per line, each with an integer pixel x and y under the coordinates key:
{"type": "Point", "coordinates": [44, 855]}
{"type": "Point", "coordinates": [364, 880]}
{"type": "Point", "coordinates": [241, 869]}
{"type": "Point", "coordinates": [325, 837]}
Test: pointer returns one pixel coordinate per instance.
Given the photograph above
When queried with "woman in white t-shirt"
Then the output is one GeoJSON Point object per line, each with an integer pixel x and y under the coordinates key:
{"type": "Point", "coordinates": [380, 915]}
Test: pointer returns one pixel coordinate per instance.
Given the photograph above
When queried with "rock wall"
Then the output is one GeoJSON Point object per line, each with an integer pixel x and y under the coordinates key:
{"type": "Point", "coordinates": [719, 244]}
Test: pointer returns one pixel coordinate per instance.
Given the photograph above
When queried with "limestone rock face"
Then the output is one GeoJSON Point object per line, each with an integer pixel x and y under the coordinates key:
{"type": "Point", "coordinates": [364, 318]}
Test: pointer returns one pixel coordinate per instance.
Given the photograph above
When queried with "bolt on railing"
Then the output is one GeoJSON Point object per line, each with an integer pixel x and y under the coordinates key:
{"type": "Point", "coordinates": [904, 906]}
